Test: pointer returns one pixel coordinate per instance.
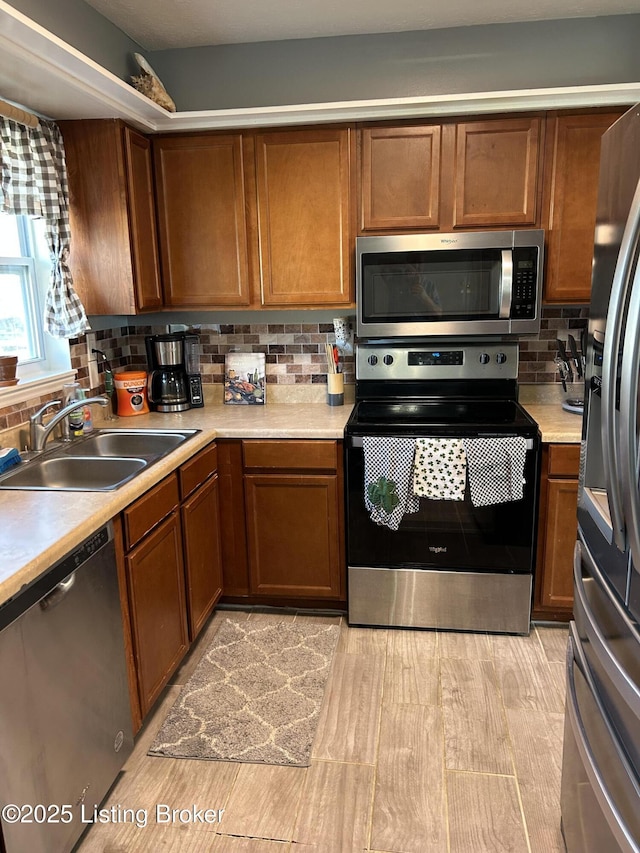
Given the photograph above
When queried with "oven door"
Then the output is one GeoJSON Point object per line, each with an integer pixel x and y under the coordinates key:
{"type": "Point", "coordinates": [444, 535]}
{"type": "Point", "coordinates": [449, 566]}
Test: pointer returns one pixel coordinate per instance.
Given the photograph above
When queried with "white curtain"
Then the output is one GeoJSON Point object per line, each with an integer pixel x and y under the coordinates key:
{"type": "Point", "coordinates": [34, 183]}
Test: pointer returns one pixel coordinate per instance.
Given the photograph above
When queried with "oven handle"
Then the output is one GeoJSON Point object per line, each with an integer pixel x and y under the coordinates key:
{"type": "Point", "coordinates": [506, 284]}
{"type": "Point", "coordinates": [356, 441]}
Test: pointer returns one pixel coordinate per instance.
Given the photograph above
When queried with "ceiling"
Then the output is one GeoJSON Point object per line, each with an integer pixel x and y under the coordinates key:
{"type": "Point", "coordinates": [163, 24]}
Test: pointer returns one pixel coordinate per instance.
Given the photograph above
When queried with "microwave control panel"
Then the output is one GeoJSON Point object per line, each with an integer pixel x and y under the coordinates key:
{"type": "Point", "coordinates": [525, 275]}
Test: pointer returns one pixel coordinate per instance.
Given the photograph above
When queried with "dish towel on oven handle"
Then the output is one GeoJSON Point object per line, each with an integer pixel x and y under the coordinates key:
{"type": "Point", "coordinates": [388, 466]}
{"type": "Point", "coordinates": [496, 469]}
{"type": "Point", "coordinates": [440, 469]}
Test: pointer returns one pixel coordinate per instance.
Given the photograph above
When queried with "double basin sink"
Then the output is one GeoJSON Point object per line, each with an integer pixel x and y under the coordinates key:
{"type": "Point", "coordinates": [102, 461]}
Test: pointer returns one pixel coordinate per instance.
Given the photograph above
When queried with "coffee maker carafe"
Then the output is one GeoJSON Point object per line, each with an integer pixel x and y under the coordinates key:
{"type": "Point", "coordinates": [167, 385]}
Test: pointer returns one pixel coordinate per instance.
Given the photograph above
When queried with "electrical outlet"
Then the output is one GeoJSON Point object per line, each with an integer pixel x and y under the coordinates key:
{"type": "Point", "coordinates": [94, 376]}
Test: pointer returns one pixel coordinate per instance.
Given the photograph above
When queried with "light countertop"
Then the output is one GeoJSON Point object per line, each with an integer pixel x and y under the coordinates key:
{"type": "Point", "coordinates": [544, 404]}
{"type": "Point", "coordinates": [38, 527]}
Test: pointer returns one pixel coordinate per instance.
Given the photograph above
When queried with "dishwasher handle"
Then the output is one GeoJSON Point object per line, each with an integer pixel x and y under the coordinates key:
{"type": "Point", "coordinates": [55, 583]}
{"type": "Point", "coordinates": [58, 592]}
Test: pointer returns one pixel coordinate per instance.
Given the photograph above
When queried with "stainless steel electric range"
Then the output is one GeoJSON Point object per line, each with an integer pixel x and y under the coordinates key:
{"type": "Point", "coordinates": [442, 468]}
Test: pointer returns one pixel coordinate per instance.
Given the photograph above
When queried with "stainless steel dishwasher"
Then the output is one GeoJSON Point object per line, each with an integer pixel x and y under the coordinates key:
{"type": "Point", "coordinates": [65, 721]}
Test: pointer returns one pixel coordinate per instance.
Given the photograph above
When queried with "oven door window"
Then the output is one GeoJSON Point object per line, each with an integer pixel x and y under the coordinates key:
{"type": "Point", "coordinates": [448, 535]}
{"type": "Point", "coordinates": [431, 286]}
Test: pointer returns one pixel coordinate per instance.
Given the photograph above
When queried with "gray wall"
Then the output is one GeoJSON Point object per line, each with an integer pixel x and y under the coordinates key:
{"type": "Point", "coordinates": [465, 59]}
{"type": "Point", "coordinates": [578, 51]}
{"type": "Point", "coordinates": [88, 31]}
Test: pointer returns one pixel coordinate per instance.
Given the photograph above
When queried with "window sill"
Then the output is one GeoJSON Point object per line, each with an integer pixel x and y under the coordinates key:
{"type": "Point", "coordinates": [31, 389]}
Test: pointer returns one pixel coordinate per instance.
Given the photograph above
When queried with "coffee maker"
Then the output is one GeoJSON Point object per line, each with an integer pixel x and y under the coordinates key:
{"type": "Point", "coordinates": [167, 383]}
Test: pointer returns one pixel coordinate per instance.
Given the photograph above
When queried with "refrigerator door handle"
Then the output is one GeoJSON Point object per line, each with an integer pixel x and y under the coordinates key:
{"type": "Point", "coordinates": [612, 340]}
{"type": "Point", "coordinates": [629, 378]}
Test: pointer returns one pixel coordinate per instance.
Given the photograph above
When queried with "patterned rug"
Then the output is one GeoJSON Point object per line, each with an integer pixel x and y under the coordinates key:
{"type": "Point", "coordinates": [255, 696]}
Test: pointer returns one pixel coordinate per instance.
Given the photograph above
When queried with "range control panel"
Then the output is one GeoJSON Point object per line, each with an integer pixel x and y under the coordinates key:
{"type": "Point", "coordinates": [381, 361]}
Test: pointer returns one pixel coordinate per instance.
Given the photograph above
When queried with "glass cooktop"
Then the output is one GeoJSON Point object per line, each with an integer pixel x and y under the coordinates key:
{"type": "Point", "coordinates": [501, 416]}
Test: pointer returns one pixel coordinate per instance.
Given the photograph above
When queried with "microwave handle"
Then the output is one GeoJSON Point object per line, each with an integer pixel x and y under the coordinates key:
{"type": "Point", "coordinates": [506, 284]}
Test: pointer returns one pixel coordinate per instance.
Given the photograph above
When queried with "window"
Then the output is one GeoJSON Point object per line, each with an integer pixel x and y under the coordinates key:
{"type": "Point", "coordinates": [24, 276]}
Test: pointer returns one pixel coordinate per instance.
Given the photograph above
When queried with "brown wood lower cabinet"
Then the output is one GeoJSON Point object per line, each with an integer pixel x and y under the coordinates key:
{"type": "Point", "coordinates": [173, 572]}
{"type": "Point", "coordinates": [557, 532]}
{"type": "Point", "coordinates": [203, 561]}
{"type": "Point", "coordinates": [293, 537]}
{"type": "Point", "coordinates": [289, 549]}
{"type": "Point", "coordinates": [156, 596]}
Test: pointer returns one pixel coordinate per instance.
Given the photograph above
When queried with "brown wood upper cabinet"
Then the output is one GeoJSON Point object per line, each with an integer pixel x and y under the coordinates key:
{"type": "Point", "coordinates": [468, 175]}
{"type": "Point", "coordinates": [200, 184]}
{"type": "Point", "coordinates": [114, 252]}
{"type": "Point", "coordinates": [572, 166]}
{"type": "Point", "coordinates": [400, 177]}
{"type": "Point", "coordinates": [304, 213]}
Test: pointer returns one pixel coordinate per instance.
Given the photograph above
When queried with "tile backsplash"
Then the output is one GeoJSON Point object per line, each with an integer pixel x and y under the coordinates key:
{"type": "Point", "coordinates": [294, 352]}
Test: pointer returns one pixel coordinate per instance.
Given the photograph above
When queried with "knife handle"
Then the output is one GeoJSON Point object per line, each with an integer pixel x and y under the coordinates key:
{"type": "Point", "coordinates": [574, 355]}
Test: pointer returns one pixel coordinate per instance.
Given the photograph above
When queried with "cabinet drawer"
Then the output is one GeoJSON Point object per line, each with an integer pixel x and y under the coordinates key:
{"type": "Point", "coordinates": [564, 460]}
{"type": "Point", "coordinates": [149, 510]}
{"type": "Point", "coordinates": [194, 472]}
{"type": "Point", "coordinates": [290, 455]}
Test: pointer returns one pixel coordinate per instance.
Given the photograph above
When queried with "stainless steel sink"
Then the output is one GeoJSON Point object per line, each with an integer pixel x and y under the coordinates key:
{"type": "Point", "coordinates": [76, 473]}
{"type": "Point", "coordinates": [143, 443]}
{"type": "Point", "coordinates": [101, 462]}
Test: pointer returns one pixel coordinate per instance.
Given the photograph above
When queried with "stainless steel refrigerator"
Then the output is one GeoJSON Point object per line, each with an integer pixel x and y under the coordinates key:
{"type": "Point", "coordinates": [601, 759]}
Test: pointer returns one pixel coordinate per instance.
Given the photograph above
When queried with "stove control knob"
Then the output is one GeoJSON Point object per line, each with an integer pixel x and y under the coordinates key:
{"type": "Point", "coordinates": [373, 360]}
{"type": "Point", "coordinates": [388, 359]}
{"type": "Point", "coordinates": [501, 358]}
{"type": "Point", "coordinates": [485, 358]}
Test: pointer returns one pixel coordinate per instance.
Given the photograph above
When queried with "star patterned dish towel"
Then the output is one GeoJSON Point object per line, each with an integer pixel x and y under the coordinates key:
{"type": "Point", "coordinates": [440, 469]}
{"type": "Point", "coordinates": [388, 466]}
{"type": "Point", "coordinates": [496, 469]}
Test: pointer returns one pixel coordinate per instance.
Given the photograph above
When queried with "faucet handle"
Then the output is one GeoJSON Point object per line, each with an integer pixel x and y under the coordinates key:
{"type": "Point", "coordinates": [37, 417]}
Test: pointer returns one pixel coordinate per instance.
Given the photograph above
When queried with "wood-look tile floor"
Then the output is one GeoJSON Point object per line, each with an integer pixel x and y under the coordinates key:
{"type": "Point", "coordinates": [427, 741]}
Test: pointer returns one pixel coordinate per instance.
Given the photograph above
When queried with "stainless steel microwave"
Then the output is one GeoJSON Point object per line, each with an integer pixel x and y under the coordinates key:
{"type": "Point", "coordinates": [472, 283]}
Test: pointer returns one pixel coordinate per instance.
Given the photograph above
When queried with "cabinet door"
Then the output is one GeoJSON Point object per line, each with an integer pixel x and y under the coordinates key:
{"type": "Point", "coordinates": [400, 178]}
{"type": "Point", "coordinates": [572, 166]}
{"type": "Point", "coordinates": [235, 563]}
{"type": "Point", "coordinates": [142, 220]}
{"type": "Point", "coordinates": [560, 534]}
{"type": "Point", "coordinates": [304, 210]}
{"type": "Point", "coordinates": [557, 531]}
{"type": "Point", "coordinates": [293, 534]}
{"type": "Point", "coordinates": [201, 533]}
{"type": "Point", "coordinates": [201, 216]}
{"type": "Point", "coordinates": [155, 577]}
{"type": "Point", "coordinates": [496, 168]}
{"type": "Point", "coordinates": [100, 256]}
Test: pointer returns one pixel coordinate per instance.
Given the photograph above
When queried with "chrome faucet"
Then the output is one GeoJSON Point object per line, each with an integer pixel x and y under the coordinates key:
{"type": "Point", "coordinates": [39, 432]}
